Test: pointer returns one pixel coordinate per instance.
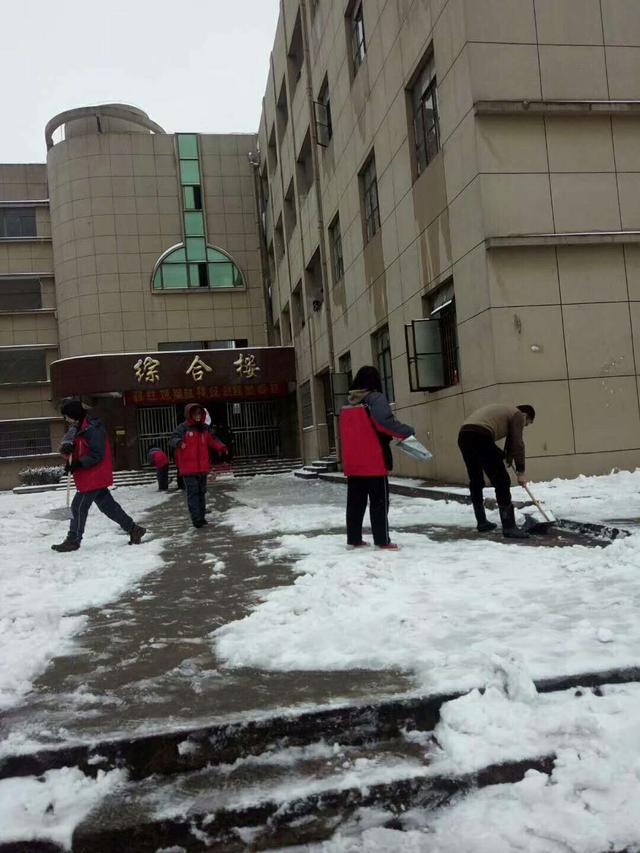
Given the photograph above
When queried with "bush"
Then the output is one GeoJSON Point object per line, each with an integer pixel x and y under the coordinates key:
{"type": "Point", "coordinates": [41, 476]}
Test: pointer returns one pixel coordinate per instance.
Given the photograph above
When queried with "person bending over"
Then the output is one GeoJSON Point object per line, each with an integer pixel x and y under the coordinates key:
{"type": "Point", "coordinates": [477, 442]}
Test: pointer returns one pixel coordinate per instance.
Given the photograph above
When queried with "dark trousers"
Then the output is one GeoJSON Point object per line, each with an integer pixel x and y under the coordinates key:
{"type": "Point", "coordinates": [376, 491]}
{"type": "Point", "coordinates": [196, 486]}
{"type": "Point", "coordinates": [482, 456]}
{"type": "Point", "coordinates": [163, 478]}
{"type": "Point", "coordinates": [104, 500]}
{"type": "Point", "coordinates": [180, 480]}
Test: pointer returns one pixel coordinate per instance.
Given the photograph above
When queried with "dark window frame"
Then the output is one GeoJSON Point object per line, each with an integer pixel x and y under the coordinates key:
{"type": "Point", "coordinates": [18, 223]}
{"type": "Point", "coordinates": [381, 345]}
{"type": "Point", "coordinates": [20, 293]}
{"type": "Point", "coordinates": [335, 249]}
{"type": "Point", "coordinates": [422, 94]}
{"type": "Point", "coordinates": [25, 438]}
{"type": "Point", "coordinates": [370, 199]}
{"type": "Point", "coordinates": [324, 125]}
{"type": "Point", "coordinates": [30, 369]}
{"type": "Point", "coordinates": [357, 34]}
{"type": "Point", "coordinates": [306, 404]}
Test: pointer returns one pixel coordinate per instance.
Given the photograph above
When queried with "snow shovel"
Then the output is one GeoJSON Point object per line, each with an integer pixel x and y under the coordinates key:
{"type": "Point", "coordinates": [532, 521]}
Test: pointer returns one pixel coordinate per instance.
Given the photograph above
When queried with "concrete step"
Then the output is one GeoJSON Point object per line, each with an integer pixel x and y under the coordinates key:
{"type": "Point", "coordinates": [306, 474]}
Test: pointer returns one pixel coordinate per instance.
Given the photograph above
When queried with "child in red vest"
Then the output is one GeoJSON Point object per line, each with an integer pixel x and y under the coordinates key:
{"type": "Point", "coordinates": [88, 453]}
{"type": "Point", "coordinates": [160, 462]}
{"type": "Point", "coordinates": [367, 426]}
{"type": "Point", "coordinates": [191, 442]}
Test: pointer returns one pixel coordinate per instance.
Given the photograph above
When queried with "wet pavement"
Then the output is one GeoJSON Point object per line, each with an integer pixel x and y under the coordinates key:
{"type": "Point", "coordinates": [147, 661]}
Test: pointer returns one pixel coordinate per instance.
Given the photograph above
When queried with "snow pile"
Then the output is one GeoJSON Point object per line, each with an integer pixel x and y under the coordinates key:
{"type": "Point", "coordinates": [43, 591]}
{"type": "Point", "coordinates": [49, 807]}
{"type": "Point", "coordinates": [588, 804]}
{"type": "Point", "coordinates": [443, 609]}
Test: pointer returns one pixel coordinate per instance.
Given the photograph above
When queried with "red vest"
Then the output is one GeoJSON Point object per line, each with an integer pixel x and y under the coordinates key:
{"type": "Point", "coordinates": [360, 445]}
{"type": "Point", "coordinates": [98, 476]}
{"type": "Point", "coordinates": [192, 454]}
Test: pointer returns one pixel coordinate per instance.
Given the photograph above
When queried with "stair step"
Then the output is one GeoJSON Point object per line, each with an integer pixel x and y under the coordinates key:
{"type": "Point", "coordinates": [303, 474]}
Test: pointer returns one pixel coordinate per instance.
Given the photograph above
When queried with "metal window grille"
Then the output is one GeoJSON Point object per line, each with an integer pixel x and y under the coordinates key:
{"type": "Point", "coordinates": [324, 126]}
{"type": "Point", "coordinates": [344, 366]}
{"type": "Point", "coordinates": [254, 428]}
{"type": "Point", "coordinates": [155, 425]}
{"type": "Point", "coordinates": [306, 403]}
{"type": "Point", "coordinates": [25, 438]}
{"type": "Point", "coordinates": [358, 46]}
{"type": "Point", "coordinates": [426, 123]}
{"type": "Point", "coordinates": [335, 241]}
{"type": "Point", "coordinates": [382, 350]}
{"type": "Point", "coordinates": [449, 339]}
{"type": "Point", "coordinates": [370, 198]}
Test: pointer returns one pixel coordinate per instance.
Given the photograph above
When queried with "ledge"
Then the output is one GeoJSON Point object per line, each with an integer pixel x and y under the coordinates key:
{"type": "Point", "coordinates": [569, 238]}
{"type": "Point", "coordinates": [25, 240]}
{"type": "Point", "coordinates": [25, 202]}
{"type": "Point", "coordinates": [8, 312]}
{"type": "Point", "coordinates": [557, 108]}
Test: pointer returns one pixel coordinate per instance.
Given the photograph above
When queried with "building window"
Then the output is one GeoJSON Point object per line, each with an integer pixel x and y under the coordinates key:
{"type": "Point", "coordinates": [344, 366]}
{"type": "Point", "coordinates": [306, 404]}
{"type": "Point", "coordinates": [272, 150]}
{"type": "Point", "coordinates": [297, 307]}
{"type": "Point", "coordinates": [382, 358]}
{"type": "Point", "coordinates": [22, 366]}
{"type": "Point", "coordinates": [285, 326]}
{"type": "Point", "coordinates": [20, 294]}
{"type": "Point", "coordinates": [290, 215]}
{"type": "Point", "coordinates": [369, 192]}
{"type": "Point", "coordinates": [358, 46]}
{"type": "Point", "coordinates": [17, 222]}
{"type": "Point", "coordinates": [424, 111]}
{"type": "Point", "coordinates": [335, 248]}
{"type": "Point", "coordinates": [282, 111]}
{"type": "Point", "coordinates": [206, 268]}
{"type": "Point", "coordinates": [324, 127]}
{"type": "Point", "coordinates": [304, 166]}
{"type": "Point", "coordinates": [25, 438]}
{"type": "Point", "coordinates": [295, 56]}
{"type": "Point", "coordinates": [432, 343]}
{"type": "Point", "coordinates": [174, 346]}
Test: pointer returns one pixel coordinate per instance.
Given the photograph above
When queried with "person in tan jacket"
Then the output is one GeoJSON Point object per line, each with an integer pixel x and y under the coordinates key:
{"type": "Point", "coordinates": [477, 442]}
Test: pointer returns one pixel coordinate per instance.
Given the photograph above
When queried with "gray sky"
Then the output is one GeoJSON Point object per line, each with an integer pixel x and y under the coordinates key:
{"type": "Point", "coordinates": [194, 65]}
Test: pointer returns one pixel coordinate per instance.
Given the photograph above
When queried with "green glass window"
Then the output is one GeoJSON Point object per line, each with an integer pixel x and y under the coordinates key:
{"type": "Point", "coordinates": [174, 275]}
{"type": "Point", "coordinates": [189, 172]}
{"type": "Point", "coordinates": [188, 146]}
{"type": "Point", "coordinates": [196, 249]}
{"type": "Point", "coordinates": [205, 268]}
{"type": "Point", "coordinates": [192, 197]}
{"type": "Point", "coordinates": [194, 224]}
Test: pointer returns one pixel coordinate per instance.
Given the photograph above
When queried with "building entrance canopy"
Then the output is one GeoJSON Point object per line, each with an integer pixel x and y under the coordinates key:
{"type": "Point", "coordinates": [225, 373]}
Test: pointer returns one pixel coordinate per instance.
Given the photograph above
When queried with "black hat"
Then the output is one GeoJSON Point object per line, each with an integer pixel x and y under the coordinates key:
{"type": "Point", "coordinates": [73, 409]}
{"type": "Point", "coordinates": [367, 377]}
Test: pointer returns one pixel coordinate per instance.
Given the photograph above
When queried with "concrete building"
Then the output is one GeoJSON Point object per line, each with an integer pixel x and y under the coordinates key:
{"type": "Point", "coordinates": [143, 248]}
{"type": "Point", "coordinates": [451, 190]}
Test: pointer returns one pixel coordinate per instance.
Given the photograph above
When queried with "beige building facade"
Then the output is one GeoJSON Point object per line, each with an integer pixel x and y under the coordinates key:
{"type": "Point", "coordinates": [130, 241]}
{"type": "Point", "coordinates": [450, 190]}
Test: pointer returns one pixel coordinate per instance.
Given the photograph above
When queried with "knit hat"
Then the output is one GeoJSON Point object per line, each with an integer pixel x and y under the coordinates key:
{"type": "Point", "coordinates": [73, 409]}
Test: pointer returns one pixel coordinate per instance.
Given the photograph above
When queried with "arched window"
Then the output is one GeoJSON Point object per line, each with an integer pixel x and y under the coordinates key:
{"type": "Point", "coordinates": [206, 268]}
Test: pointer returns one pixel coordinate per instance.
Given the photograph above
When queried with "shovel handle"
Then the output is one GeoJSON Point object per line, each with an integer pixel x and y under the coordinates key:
{"type": "Point", "coordinates": [535, 502]}
{"type": "Point", "coordinates": [68, 488]}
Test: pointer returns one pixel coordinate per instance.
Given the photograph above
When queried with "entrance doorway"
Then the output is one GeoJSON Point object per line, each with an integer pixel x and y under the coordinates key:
{"type": "Point", "coordinates": [155, 425]}
{"type": "Point", "coordinates": [254, 426]}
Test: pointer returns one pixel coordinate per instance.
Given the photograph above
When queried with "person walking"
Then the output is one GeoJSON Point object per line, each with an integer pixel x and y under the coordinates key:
{"type": "Point", "coordinates": [477, 442]}
{"type": "Point", "coordinates": [88, 453]}
{"type": "Point", "coordinates": [160, 461]}
{"type": "Point", "coordinates": [367, 426]}
{"type": "Point", "coordinates": [191, 442]}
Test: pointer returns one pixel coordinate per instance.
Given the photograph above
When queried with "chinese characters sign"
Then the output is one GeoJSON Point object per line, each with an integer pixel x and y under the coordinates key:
{"type": "Point", "coordinates": [207, 392]}
{"type": "Point", "coordinates": [245, 365]}
{"type": "Point", "coordinates": [197, 368]}
{"type": "Point", "coordinates": [146, 369]}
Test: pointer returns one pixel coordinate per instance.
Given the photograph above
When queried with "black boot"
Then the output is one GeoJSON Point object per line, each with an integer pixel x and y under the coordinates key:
{"type": "Point", "coordinates": [136, 533]}
{"type": "Point", "coordinates": [509, 527]}
{"type": "Point", "coordinates": [69, 544]}
{"type": "Point", "coordinates": [484, 526]}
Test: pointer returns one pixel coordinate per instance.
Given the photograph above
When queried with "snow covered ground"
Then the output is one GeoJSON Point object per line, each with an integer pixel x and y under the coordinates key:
{"type": "Point", "coordinates": [439, 609]}
{"type": "Point", "coordinates": [42, 591]}
{"type": "Point", "coordinates": [457, 613]}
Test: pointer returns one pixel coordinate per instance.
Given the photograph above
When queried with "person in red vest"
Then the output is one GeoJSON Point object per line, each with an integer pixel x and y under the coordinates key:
{"type": "Point", "coordinates": [88, 453]}
{"type": "Point", "coordinates": [367, 426]}
{"type": "Point", "coordinates": [191, 442]}
{"type": "Point", "coordinates": [160, 462]}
